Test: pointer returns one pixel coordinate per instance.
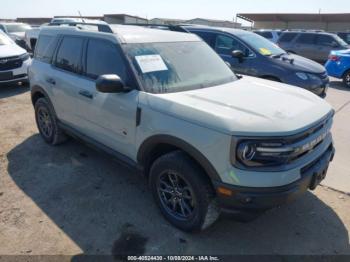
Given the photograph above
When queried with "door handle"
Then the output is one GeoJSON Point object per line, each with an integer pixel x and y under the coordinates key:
{"type": "Point", "coordinates": [86, 94]}
{"type": "Point", "coordinates": [51, 81]}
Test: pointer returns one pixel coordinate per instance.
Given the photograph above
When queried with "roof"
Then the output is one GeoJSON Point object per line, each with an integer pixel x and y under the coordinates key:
{"type": "Point", "coordinates": [138, 34]}
{"type": "Point", "coordinates": [290, 17]}
{"type": "Point", "coordinates": [128, 34]}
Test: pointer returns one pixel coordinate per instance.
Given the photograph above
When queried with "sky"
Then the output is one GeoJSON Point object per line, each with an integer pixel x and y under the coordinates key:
{"type": "Point", "coordinates": [183, 9]}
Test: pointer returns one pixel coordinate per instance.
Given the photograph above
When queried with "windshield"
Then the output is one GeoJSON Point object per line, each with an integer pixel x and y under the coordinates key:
{"type": "Point", "coordinates": [341, 41]}
{"type": "Point", "coordinates": [4, 39]}
{"type": "Point", "coordinates": [15, 28]}
{"type": "Point", "coordinates": [261, 45]}
{"type": "Point", "coordinates": [178, 66]}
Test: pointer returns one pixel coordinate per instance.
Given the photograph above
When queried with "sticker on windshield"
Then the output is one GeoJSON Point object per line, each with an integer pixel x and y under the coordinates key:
{"type": "Point", "coordinates": [265, 51]}
{"type": "Point", "coordinates": [151, 63]}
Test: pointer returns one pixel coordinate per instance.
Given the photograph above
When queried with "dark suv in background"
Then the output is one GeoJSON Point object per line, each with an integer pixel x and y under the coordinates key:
{"type": "Point", "coordinates": [252, 54]}
{"type": "Point", "coordinates": [313, 45]}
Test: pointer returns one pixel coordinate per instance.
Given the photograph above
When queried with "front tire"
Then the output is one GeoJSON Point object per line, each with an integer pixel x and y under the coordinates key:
{"type": "Point", "coordinates": [346, 79]}
{"type": "Point", "coordinates": [183, 193]}
{"type": "Point", "coordinates": [47, 123]}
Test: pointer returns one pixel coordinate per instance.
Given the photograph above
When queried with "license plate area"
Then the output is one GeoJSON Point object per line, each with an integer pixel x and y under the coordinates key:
{"type": "Point", "coordinates": [6, 76]}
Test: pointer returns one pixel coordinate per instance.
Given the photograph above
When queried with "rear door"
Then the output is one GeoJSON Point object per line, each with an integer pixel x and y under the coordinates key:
{"type": "Point", "coordinates": [109, 119]}
{"type": "Point", "coordinates": [305, 45]}
{"type": "Point", "coordinates": [66, 78]}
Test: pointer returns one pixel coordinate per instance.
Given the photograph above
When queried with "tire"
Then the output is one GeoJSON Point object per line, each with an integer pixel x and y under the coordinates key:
{"type": "Point", "coordinates": [346, 79]}
{"type": "Point", "coordinates": [46, 122]}
{"type": "Point", "coordinates": [196, 207]}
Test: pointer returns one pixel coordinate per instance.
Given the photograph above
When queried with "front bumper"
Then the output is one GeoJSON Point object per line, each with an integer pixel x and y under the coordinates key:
{"type": "Point", "coordinates": [248, 199]}
{"type": "Point", "coordinates": [16, 75]}
{"type": "Point", "coordinates": [319, 87]}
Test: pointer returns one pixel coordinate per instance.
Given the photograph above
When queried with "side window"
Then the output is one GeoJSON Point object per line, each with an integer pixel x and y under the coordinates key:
{"type": "Point", "coordinates": [69, 54]}
{"type": "Point", "coordinates": [306, 39]}
{"type": "Point", "coordinates": [104, 58]}
{"type": "Point", "coordinates": [326, 40]}
{"type": "Point", "coordinates": [45, 48]}
{"type": "Point", "coordinates": [225, 45]}
{"type": "Point", "coordinates": [287, 37]}
{"type": "Point", "coordinates": [209, 38]}
{"type": "Point", "coordinates": [2, 28]}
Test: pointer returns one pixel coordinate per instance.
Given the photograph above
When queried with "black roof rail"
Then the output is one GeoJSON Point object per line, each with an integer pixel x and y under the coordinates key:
{"type": "Point", "coordinates": [101, 27]}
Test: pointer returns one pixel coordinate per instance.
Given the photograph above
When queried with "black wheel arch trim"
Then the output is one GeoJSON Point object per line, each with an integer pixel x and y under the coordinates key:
{"type": "Point", "coordinates": [150, 143]}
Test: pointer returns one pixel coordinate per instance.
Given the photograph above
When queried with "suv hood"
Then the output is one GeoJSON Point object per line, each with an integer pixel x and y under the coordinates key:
{"type": "Point", "coordinates": [300, 64]}
{"type": "Point", "coordinates": [11, 50]}
{"type": "Point", "coordinates": [250, 106]}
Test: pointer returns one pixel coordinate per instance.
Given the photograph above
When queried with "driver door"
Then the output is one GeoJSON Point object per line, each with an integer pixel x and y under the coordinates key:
{"type": "Point", "coordinates": [108, 118]}
{"type": "Point", "coordinates": [225, 45]}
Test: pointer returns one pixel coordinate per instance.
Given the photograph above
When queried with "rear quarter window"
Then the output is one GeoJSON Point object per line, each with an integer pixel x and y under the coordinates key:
{"type": "Point", "coordinates": [45, 48]}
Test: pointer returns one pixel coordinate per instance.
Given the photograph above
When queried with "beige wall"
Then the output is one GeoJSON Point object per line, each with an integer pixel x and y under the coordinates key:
{"type": "Point", "coordinates": [303, 25]}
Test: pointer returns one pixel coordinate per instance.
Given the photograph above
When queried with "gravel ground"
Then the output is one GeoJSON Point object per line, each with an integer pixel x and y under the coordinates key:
{"type": "Point", "coordinates": [72, 200]}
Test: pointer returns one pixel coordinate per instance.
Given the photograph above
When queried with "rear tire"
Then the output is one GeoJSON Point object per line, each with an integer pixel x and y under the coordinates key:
{"type": "Point", "coordinates": [47, 123]}
{"type": "Point", "coordinates": [183, 193]}
{"type": "Point", "coordinates": [346, 79]}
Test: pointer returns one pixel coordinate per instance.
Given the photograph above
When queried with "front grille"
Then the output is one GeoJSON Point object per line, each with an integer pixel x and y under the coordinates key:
{"type": "Point", "coordinates": [309, 140]}
{"type": "Point", "coordinates": [9, 63]}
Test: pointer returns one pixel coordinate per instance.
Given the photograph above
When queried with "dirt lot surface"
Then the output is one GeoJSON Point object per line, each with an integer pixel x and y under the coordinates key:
{"type": "Point", "coordinates": [72, 200]}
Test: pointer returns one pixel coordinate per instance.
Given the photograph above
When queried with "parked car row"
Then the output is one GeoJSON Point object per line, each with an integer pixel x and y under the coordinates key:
{"type": "Point", "coordinates": [251, 54]}
{"type": "Point", "coordinates": [14, 61]}
{"type": "Point", "coordinates": [166, 104]}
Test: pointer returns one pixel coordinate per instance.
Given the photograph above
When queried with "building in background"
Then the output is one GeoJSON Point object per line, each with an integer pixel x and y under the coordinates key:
{"type": "Point", "coordinates": [195, 21]}
{"type": "Point", "coordinates": [327, 22]}
{"type": "Point", "coordinates": [124, 19]}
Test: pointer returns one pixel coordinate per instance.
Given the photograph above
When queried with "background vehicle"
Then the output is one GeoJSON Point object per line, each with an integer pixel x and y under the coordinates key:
{"type": "Point", "coordinates": [345, 36]}
{"type": "Point", "coordinates": [168, 105]}
{"type": "Point", "coordinates": [313, 45]}
{"type": "Point", "coordinates": [16, 31]}
{"type": "Point", "coordinates": [256, 56]}
{"type": "Point", "coordinates": [338, 65]}
{"type": "Point", "coordinates": [31, 36]}
{"type": "Point", "coordinates": [14, 61]}
{"type": "Point", "coordinates": [272, 35]}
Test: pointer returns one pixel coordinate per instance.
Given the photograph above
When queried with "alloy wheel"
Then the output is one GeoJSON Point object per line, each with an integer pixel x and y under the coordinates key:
{"type": "Point", "coordinates": [176, 195]}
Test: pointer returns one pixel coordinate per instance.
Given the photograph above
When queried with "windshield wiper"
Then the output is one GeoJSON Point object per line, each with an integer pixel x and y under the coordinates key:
{"type": "Point", "coordinates": [279, 55]}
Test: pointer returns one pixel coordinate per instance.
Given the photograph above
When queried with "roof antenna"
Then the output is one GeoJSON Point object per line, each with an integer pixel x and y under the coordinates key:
{"type": "Point", "coordinates": [81, 17]}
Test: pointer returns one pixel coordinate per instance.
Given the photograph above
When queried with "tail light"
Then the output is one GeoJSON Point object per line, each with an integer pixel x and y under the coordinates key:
{"type": "Point", "coordinates": [334, 58]}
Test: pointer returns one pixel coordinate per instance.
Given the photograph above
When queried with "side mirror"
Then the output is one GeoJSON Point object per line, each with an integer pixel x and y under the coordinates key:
{"type": "Point", "coordinates": [239, 55]}
{"type": "Point", "coordinates": [110, 84]}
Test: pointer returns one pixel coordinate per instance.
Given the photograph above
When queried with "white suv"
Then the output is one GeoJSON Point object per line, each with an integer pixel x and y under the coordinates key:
{"type": "Point", "coordinates": [14, 61]}
{"type": "Point", "coordinates": [167, 104]}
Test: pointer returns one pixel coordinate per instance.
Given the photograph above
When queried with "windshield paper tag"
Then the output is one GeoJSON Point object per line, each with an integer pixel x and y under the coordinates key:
{"type": "Point", "coordinates": [265, 51]}
{"type": "Point", "coordinates": [151, 63]}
